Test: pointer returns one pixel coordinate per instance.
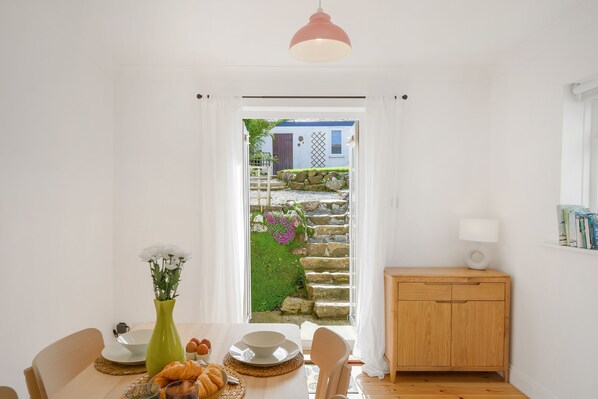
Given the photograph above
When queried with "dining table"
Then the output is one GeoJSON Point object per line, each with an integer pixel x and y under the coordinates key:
{"type": "Point", "coordinates": [91, 383]}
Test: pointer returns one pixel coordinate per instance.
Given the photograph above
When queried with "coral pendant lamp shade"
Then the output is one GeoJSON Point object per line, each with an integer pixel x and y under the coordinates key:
{"type": "Point", "coordinates": [320, 40]}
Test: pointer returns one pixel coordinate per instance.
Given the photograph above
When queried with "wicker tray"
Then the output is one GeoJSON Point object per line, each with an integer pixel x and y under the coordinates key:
{"type": "Point", "coordinates": [107, 367]}
{"type": "Point", "coordinates": [231, 391]}
{"type": "Point", "coordinates": [253, 371]}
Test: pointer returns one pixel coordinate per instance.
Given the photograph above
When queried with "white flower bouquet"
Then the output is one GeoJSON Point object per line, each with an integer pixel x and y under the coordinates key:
{"type": "Point", "coordinates": [166, 264]}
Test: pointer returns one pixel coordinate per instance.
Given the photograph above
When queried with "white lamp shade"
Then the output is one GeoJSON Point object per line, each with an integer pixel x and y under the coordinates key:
{"type": "Point", "coordinates": [481, 230]}
{"type": "Point", "coordinates": [320, 50]}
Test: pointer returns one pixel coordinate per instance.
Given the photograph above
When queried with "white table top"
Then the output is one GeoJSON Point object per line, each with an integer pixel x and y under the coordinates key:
{"type": "Point", "coordinates": [91, 384]}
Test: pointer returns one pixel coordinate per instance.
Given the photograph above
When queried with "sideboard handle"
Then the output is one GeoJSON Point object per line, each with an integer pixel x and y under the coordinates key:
{"type": "Point", "coordinates": [467, 283]}
{"type": "Point", "coordinates": [437, 301]}
{"type": "Point", "coordinates": [459, 301]}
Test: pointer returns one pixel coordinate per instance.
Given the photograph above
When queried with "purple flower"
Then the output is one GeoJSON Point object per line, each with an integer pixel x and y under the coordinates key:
{"type": "Point", "coordinates": [281, 226]}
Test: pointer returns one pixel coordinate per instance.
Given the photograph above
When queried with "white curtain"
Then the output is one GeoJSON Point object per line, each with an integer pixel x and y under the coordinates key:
{"type": "Point", "coordinates": [221, 283]}
{"type": "Point", "coordinates": [378, 202]}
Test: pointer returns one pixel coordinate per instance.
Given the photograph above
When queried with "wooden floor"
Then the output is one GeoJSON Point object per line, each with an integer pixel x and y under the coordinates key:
{"type": "Point", "coordinates": [434, 386]}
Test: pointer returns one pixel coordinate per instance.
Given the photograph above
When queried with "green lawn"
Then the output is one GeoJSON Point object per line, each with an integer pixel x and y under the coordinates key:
{"type": "Point", "coordinates": [275, 272]}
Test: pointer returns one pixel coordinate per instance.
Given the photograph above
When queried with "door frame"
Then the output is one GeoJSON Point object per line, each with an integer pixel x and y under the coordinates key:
{"type": "Point", "coordinates": [353, 149]}
{"type": "Point", "coordinates": [296, 109]}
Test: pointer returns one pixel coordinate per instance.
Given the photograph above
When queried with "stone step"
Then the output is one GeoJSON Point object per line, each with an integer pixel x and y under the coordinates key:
{"type": "Point", "coordinates": [329, 202]}
{"type": "Point", "coordinates": [328, 206]}
{"type": "Point", "coordinates": [331, 310]}
{"type": "Point", "coordinates": [317, 292]}
{"type": "Point", "coordinates": [329, 230]}
{"type": "Point", "coordinates": [327, 219]}
{"type": "Point", "coordinates": [320, 264]}
{"type": "Point", "coordinates": [296, 306]}
{"type": "Point", "coordinates": [327, 249]}
{"type": "Point", "coordinates": [329, 239]}
{"type": "Point", "coordinates": [327, 277]}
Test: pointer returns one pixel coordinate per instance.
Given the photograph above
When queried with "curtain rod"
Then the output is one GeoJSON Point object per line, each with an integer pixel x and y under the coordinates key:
{"type": "Point", "coordinates": [404, 97]}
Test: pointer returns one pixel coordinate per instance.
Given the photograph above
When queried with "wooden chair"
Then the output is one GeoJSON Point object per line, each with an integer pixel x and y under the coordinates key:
{"type": "Point", "coordinates": [7, 393]}
{"type": "Point", "coordinates": [330, 352]}
{"type": "Point", "coordinates": [61, 361]}
{"type": "Point", "coordinates": [31, 382]}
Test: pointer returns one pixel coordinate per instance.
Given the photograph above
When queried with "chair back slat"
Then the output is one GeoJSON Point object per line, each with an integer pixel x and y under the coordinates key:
{"type": "Point", "coordinates": [61, 361]}
{"type": "Point", "coordinates": [31, 382]}
{"type": "Point", "coordinates": [330, 352]}
{"type": "Point", "coordinates": [7, 393]}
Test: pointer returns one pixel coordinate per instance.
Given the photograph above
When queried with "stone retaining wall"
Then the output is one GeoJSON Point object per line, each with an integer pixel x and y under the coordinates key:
{"type": "Point", "coordinates": [315, 180]}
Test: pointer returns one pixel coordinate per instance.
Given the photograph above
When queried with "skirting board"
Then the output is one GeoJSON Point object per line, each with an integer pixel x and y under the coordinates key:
{"type": "Point", "coordinates": [528, 386]}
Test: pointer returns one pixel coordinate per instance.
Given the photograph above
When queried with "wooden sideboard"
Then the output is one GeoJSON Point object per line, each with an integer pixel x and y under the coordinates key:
{"type": "Point", "coordinates": [446, 319]}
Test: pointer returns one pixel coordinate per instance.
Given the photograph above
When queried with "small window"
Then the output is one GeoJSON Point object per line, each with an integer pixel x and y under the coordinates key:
{"type": "Point", "coordinates": [336, 142]}
{"type": "Point", "coordinates": [579, 158]}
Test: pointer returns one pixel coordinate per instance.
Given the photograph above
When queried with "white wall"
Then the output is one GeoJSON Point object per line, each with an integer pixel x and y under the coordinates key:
{"type": "Point", "coordinates": [554, 330]}
{"type": "Point", "coordinates": [442, 161]}
{"type": "Point", "coordinates": [56, 106]}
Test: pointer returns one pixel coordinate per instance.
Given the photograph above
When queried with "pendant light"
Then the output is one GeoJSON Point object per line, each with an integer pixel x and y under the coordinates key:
{"type": "Point", "coordinates": [320, 40]}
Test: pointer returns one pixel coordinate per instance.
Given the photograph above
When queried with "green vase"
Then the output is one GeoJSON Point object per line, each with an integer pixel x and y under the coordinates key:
{"type": "Point", "coordinates": [165, 345]}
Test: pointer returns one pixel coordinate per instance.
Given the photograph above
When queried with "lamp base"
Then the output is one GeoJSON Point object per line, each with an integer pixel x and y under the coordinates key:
{"type": "Point", "coordinates": [477, 257]}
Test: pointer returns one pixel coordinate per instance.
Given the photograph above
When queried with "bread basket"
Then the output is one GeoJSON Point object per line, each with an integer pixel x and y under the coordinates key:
{"type": "Point", "coordinates": [219, 392]}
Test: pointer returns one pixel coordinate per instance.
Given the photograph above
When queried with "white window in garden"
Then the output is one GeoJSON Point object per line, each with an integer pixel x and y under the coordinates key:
{"type": "Point", "coordinates": [336, 142]}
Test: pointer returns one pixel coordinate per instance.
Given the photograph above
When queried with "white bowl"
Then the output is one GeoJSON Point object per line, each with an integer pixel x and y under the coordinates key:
{"type": "Point", "coordinates": [263, 343]}
{"type": "Point", "coordinates": [135, 341]}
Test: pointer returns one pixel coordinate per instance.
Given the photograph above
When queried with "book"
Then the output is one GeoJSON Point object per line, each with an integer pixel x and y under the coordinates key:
{"type": "Point", "coordinates": [579, 226]}
{"type": "Point", "coordinates": [562, 220]}
{"type": "Point", "coordinates": [572, 228]}
{"type": "Point", "coordinates": [580, 216]}
{"type": "Point", "coordinates": [587, 232]}
{"type": "Point", "coordinates": [593, 223]}
{"type": "Point", "coordinates": [562, 212]}
{"type": "Point", "coordinates": [568, 219]}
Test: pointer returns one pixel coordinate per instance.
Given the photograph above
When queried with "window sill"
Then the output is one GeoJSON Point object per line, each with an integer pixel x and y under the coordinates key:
{"type": "Point", "coordinates": [570, 249]}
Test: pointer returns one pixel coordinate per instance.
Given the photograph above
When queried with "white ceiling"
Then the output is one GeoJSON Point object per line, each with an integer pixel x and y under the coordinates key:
{"type": "Point", "coordinates": [384, 33]}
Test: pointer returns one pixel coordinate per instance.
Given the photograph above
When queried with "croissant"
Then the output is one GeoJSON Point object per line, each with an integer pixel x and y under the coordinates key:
{"type": "Point", "coordinates": [176, 371]}
{"type": "Point", "coordinates": [206, 386]}
{"type": "Point", "coordinates": [215, 375]}
{"type": "Point", "coordinates": [210, 380]}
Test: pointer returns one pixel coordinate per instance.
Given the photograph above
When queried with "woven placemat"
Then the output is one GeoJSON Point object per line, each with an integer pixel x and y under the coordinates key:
{"type": "Point", "coordinates": [108, 367]}
{"type": "Point", "coordinates": [231, 391]}
{"type": "Point", "coordinates": [253, 371]}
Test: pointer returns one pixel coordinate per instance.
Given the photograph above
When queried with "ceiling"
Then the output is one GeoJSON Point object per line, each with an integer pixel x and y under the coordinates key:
{"type": "Point", "coordinates": [384, 33]}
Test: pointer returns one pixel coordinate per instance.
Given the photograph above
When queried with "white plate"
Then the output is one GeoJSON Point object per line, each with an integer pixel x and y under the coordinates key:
{"type": "Point", "coordinates": [117, 353]}
{"type": "Point", "coordinates": [242, 353]}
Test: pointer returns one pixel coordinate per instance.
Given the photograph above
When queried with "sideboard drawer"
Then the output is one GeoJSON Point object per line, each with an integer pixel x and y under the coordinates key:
{"type": "Point", "coordinates": [478, 292]}
{"type": "Point", "coordinates": [424, 292]}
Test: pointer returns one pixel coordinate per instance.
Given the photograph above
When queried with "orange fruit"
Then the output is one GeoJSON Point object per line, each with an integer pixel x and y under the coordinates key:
{"type": "Point", "coordinates": [196, 341]}
{"type": "Point", "coordinates": [202, 349]}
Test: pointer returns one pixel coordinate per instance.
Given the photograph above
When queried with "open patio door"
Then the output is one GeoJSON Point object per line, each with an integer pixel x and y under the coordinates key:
{"type": "Point", "coordinates": [353, 142]}
{"type": "Point", "coordinates": [247, 212]}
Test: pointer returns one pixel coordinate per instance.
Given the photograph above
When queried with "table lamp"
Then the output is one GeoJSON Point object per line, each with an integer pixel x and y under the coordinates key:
{"type": "Point", "coordinates": [479, 232]}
